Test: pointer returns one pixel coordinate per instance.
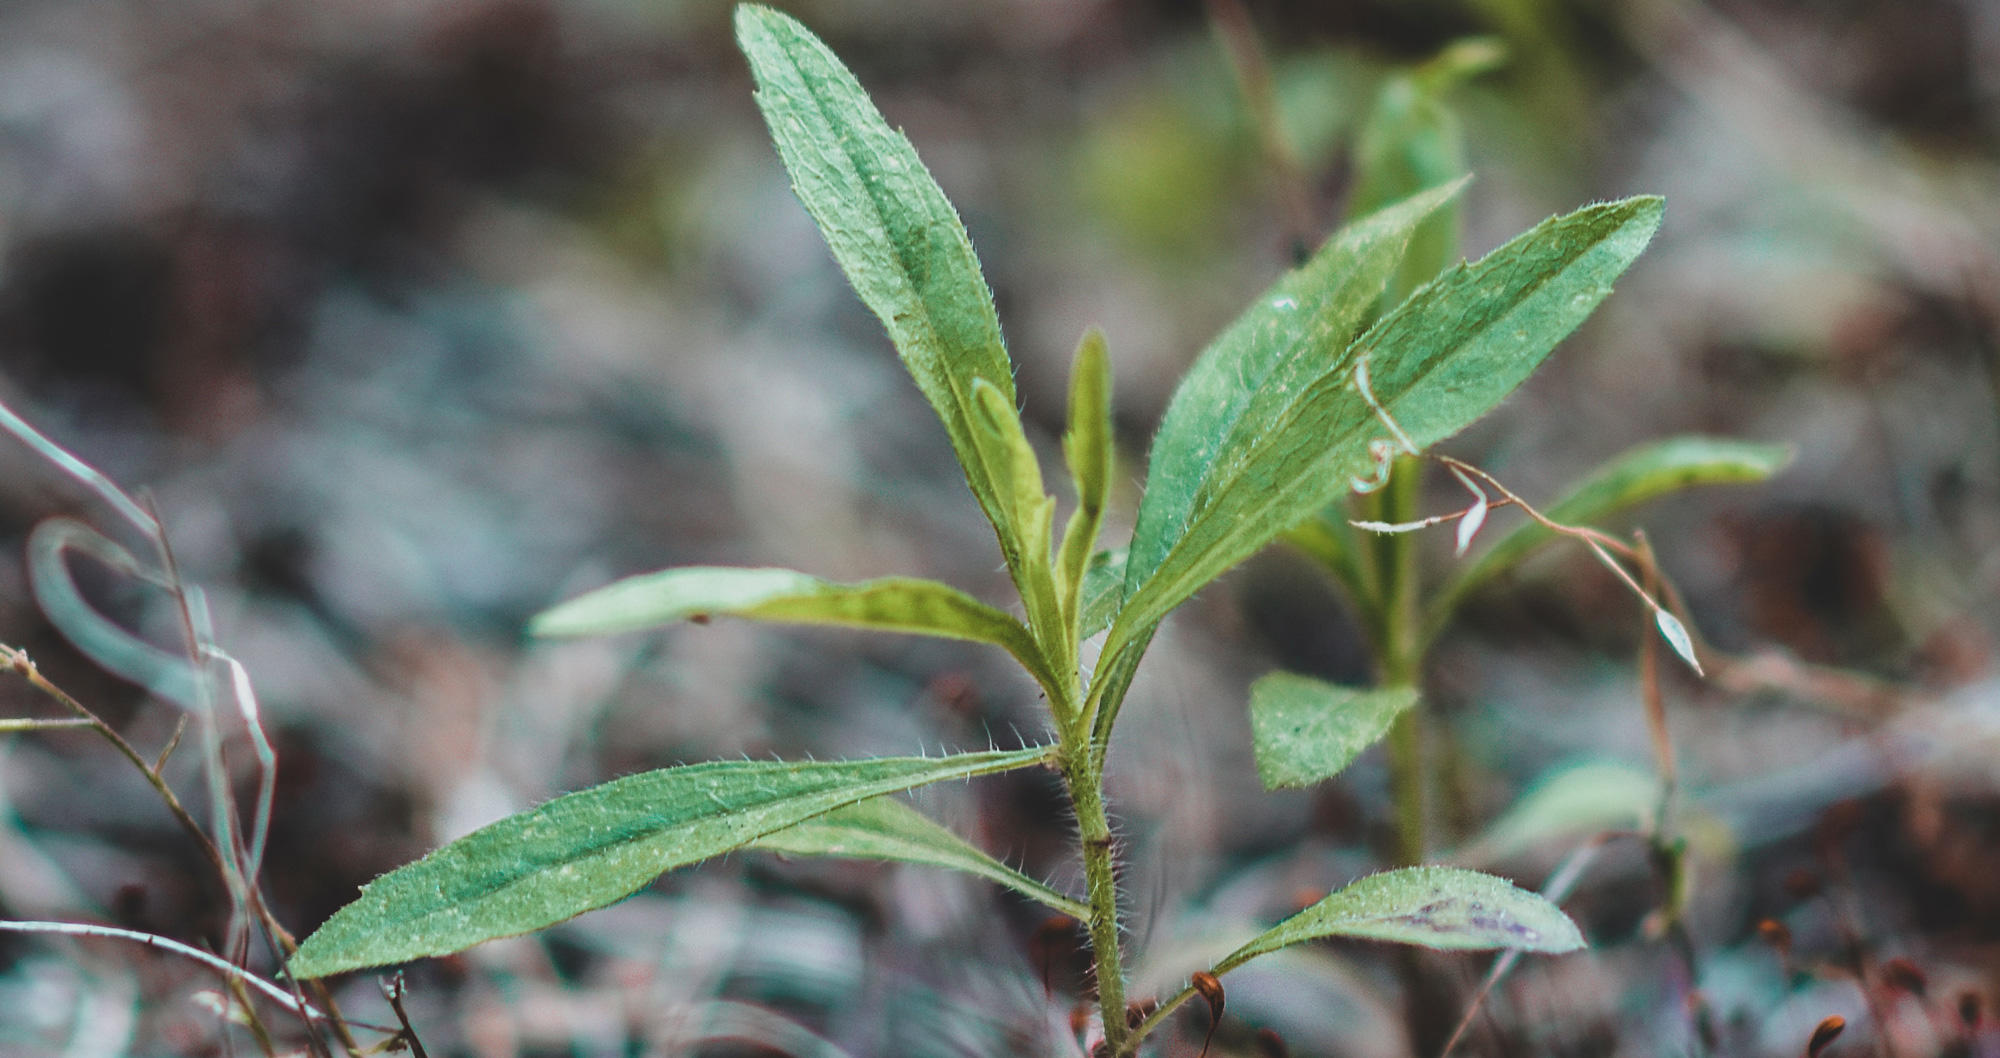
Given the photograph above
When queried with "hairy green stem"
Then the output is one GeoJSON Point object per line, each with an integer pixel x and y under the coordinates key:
{"type": "Point", "coordinates": [1083, 773]}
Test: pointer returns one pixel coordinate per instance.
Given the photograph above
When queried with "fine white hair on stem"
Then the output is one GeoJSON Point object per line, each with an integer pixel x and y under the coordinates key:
{"type": "Point", "coordinates": [85, 929]}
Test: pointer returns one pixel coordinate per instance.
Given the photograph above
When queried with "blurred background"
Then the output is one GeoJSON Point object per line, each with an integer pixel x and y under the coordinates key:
{"type": "Point", "coordinates": [415, 318]}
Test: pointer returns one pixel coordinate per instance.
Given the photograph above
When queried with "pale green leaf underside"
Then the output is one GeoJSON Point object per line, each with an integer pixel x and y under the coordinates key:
{"type": "Point", "coordinates": [1306, 730]}
{"type": "Point", "coordinates": [1433, 907]}
{"type": "Point", "coordinates": [594, 847]}
{"type": "Point", "coordinates": [1627, 480]}
{"type": "Point", "coordinates": [1440, 361]}
{"type": "Point", "coordinates": [1577, 799]}
{"type": "Point", "coordinates": [891, 604]}
{"type": "Point", "coordinates": [887, 829]}
{"type": "Point", "coordinates": [1247, 383]}
{"type": "Point", "coordinates": [895, 236]}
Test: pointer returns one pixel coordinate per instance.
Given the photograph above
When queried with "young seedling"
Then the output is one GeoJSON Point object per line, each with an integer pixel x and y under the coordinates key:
{"type": "Point", "coordinates": [1267, 429]}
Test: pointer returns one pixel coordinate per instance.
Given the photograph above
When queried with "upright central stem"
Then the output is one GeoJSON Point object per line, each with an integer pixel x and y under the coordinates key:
{"type": "Point", "coordinates": [1083, 773]}
{"type": "Point", "coordinates": [1396, 639]}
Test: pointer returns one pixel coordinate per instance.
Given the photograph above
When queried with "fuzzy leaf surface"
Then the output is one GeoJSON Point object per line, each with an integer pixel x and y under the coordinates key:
{"type": "Point", "coordinates": [1432, 907]}
{"type": "Point", "coordinates": [887, 829]}
{"type": "Point", "coordinates": [595, 847]}
{"type": "Point", "coordinates": [1633, 477]}
{"type": "Point", "coordinates": [1103, 592]}
{"type": "Point", "coordinates": [1440, 361]}
{"type": "Point", "coordinates": [1305, 730]}
{"type": "Point", "coordinates": [1250, 380]}
{"type": "Point", "coordinates": [896, 237]}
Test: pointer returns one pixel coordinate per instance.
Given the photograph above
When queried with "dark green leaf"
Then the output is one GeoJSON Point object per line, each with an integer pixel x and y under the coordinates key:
{"type": "Point", "coordinates": [887, 829]}
{"type": "Point", "coordinates": [1222, 414]}
{"type": "Point", "coordinates": [897, 238]}
{"type": "Point", "coordinates": [1434, 907]}
{"type": "Point", "coordinates": [1453, 351]}
{"type": "Point", "coordinates": [1440, 361]}
{"type": "Point", "coordinates": [1305, 730]}
{"type": "Point", "coordinates": [594, 847]}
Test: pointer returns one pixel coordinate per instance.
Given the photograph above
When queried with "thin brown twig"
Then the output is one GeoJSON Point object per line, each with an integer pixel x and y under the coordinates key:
{"type": "Point", "coordinates": [17, 659]}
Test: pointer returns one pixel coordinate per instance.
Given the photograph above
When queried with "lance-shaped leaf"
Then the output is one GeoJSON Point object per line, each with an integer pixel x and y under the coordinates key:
{"type": "Point", "coordinates": [1441, 360]}
{"type": "Point", "coordinates": [892, 604]}
{"type": "Point", "coordinates": [594, 847]}
{"type": "Point", "coordinates": [1087, 451]}
{"type": "Point", "coordinates": [1575, 799]}
{"type": "Point", "coordinates": [888, 829]}
{"type": "Point", "coordinates": [1627, 480]}
{"type": "Point", "coordinates": [895, 236]}
{"type": "Point", "coordinates": [1295, 333]}
{"type": "Point", "coordinates": [1305, 730]}
{"type": "Point", "coordinates": [998, 429]}
{"type": "Point", "coordinates": [1433, 907]}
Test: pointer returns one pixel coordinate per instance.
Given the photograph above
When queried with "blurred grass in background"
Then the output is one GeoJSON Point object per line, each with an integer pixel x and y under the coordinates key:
{"type": "Point", "coordinates": [418, 317]}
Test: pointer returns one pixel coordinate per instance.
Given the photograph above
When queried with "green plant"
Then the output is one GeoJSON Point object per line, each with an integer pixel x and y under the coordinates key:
{"type": "Point", "coordinates": [1306, 730]}
{"type": "Point", "coordinates": [1313, 389]}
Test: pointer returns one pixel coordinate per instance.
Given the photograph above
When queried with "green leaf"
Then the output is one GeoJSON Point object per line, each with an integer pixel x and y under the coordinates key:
{"type": "Point", "coordinates": [1103, 592]}
{"type": "Point", "coordinates": [997, 427]}
{"type": "Point", "coordinates": [1088, 452]}
{"type": "Point", "coordinates": [594, 847]}
{"type": "Point", "coordinates": [1629, 479]}
{"type": "Point", "coordinates": [1457, 347]}
{"type": "Point", "coordinates": [887, 829]}
{"type": "Point", "coordinates": [1433, 907]}
{"type": "Point", "coordinates": [898, 240]}
{"type": "Point", "coordinates": [1305, 730]}
{"type": "Point", "coordinates": [1195, 509]}
{"type": "Point", "coordinates": [894, 604]}
{"type": "Point", "coordinates": [1575, 799]}
{"type": "Point", "coordinates": [1438, 362]}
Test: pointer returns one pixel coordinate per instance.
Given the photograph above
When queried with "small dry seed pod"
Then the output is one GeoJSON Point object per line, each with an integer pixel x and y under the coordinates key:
{"type": "Point", "coordinates": [1824, 1034]}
